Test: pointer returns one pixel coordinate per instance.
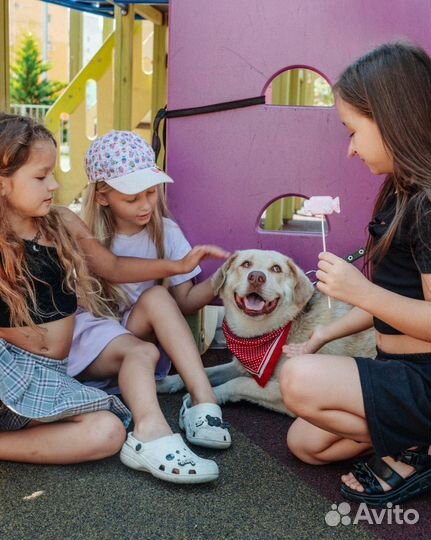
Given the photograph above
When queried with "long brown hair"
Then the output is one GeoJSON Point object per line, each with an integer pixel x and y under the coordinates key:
{"type": "Point", "coordinates": [392, 86]}
{"type": "Point", "coordinates": [17, 137]}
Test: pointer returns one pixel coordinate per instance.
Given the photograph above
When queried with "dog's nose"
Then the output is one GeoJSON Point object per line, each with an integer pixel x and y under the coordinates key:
{"type": "Point", "coordinates": [256, 278]}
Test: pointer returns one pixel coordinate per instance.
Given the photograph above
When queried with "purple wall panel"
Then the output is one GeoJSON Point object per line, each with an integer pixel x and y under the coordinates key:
{"type": "Point", "coordinates": [228, 166]}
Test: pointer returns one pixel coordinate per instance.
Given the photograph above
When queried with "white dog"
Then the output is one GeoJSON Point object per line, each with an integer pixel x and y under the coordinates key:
{"type": "Point", "coordinates": [267, 297]}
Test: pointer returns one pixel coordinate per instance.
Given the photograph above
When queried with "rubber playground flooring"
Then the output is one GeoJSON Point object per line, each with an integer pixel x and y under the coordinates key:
{"type": "Point", "coordinates": [263, 493]}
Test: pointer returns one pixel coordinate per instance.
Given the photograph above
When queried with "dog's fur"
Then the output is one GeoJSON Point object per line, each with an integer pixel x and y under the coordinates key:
{"type": "Point", "coordinates": [263, 291]}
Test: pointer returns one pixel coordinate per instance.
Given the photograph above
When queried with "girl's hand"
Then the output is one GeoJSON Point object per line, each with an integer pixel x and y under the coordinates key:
{"type": "Point", "coordinates": [312, 345]}
{"type": "Point", "coordinates": [197, 254]}
{"type": "Point", "coordinates": [340, 279]}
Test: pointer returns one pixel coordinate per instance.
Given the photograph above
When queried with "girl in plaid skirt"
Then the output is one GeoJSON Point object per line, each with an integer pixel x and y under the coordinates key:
{"type": "Point", "coordinates": [46, 254]}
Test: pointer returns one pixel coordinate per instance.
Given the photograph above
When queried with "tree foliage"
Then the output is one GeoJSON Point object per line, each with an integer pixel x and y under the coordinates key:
{"type": "Point", "coordinates": [29, 83]}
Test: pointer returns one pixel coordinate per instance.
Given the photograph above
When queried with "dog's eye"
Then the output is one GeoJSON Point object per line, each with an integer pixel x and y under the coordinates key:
{"type": "Point", "coordinates": [246, 264]}
{"type": "Point", "coordinates": [276, 268]}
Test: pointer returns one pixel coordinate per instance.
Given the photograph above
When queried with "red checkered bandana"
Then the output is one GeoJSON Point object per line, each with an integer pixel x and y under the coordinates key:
{"type": "Point", "coordinates": [258, 355]}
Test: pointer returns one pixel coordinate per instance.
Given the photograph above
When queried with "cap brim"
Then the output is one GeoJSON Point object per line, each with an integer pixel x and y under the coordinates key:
{"type": "Point", "coordinates": [138, 181]}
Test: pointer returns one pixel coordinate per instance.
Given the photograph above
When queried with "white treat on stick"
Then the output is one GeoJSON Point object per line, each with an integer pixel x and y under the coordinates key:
{"type": "Point", "coordinates": [321, 206]}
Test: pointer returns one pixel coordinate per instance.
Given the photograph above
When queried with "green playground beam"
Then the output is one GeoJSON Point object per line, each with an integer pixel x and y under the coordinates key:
{"type": "Point", "coordinates": [123, 68]}
{"type": "Point", "coordinates": [4, 56]}
{"type": "Point", "coordinates": [75, 51]}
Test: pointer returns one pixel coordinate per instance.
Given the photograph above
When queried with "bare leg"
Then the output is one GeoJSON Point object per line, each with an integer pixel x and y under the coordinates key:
{"type": "Point", "coordinates": [81, 438]}
{"type": "Point", "coordinates": [316, 446]}
{"type": "Point", "coordinates": [156, 311]}
{"type": "Point", "coordinates": [151, 447]}
{"type": "Point", "coordinates": [134, 361]}
{"type": "Point", "coordinates": [326, 392]}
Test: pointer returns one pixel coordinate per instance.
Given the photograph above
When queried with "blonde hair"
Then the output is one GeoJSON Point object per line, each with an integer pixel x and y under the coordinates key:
{"type": "Point", "coordinates": [17, 137]}
{"type": "Point", "coordinates": [101, 222]}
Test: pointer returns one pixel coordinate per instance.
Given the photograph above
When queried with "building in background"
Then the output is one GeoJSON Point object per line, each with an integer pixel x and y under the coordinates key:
{"type": "Point", "coordinates": [49, 24]}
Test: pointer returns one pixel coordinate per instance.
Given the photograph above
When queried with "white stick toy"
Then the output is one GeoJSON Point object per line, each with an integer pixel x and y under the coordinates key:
{"type": "Point", "coordinates": [319, 206]}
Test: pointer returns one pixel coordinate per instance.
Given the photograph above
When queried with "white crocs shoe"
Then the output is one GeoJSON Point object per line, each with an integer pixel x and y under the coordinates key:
{"type": "Point", "coordinates": [168, 458]}
{"type": "Point", "coordinates": [204, 424]}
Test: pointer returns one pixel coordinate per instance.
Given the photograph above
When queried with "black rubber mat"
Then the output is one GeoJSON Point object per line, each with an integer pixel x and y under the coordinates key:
{"type": "Point", "coordinates": [263, 493]}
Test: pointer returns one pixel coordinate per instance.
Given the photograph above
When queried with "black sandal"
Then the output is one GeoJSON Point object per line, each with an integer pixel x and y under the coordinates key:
{"type": "Point", "coordinates": [402, 488]}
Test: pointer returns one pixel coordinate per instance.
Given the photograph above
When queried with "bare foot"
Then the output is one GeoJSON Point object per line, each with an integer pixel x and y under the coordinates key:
{"type": "Point", "coordinates": [401, 468]}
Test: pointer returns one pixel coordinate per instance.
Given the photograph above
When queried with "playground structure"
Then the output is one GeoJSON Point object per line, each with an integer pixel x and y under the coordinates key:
{"type": "Point", "coordinates": [228, 167]}
{"type": "Point", "coordinates": [114, 90]}
{"type": "Point", "coordinates": [233, 164]}
{"type": "Point", "coordinates": [231, 167]}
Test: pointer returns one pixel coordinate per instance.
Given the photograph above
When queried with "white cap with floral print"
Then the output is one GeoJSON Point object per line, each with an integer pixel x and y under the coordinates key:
{"type": "Point", "coordinates": [125, 161]}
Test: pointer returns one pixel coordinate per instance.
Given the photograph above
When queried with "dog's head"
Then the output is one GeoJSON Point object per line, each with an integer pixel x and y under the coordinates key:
{"type": "Point", "coordinates": [261, 291]}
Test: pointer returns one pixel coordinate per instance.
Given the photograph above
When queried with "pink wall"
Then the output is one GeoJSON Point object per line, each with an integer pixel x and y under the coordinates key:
{"type": "Point", "coordinates": [229, 165]}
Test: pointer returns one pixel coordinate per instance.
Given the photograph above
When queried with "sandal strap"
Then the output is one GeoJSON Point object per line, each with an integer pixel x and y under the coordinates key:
{"type": "Point", "coordinates": [385, 472]}
{"type": "Point", "coordinates": [366, 478]}
{"type": "Point", "coordinates": [419, 458]}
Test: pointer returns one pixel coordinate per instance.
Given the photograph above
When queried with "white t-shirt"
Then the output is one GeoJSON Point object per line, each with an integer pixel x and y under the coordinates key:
{"type": "Point", "coordinates": [140, 245]}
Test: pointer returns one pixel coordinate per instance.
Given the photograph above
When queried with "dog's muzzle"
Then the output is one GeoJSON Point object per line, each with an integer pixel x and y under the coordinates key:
{"type": "Point", "coordinates": [253, 304]}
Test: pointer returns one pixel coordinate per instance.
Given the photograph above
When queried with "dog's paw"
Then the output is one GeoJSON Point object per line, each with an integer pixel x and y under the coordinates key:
{"type": "Point", "coordinates": [224, 393]}
{"type": "Point", "coordinates": [170, 385]}
{"type": "Point", "coordinates": [219, 395]}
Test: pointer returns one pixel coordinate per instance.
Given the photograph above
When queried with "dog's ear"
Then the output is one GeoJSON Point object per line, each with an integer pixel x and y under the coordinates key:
{"type": "Point", "coordinates": [303, 288]}
{"type": "Point", "coordinates": [219, 276]}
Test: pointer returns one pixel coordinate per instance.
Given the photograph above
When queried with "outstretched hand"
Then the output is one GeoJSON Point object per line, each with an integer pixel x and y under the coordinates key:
{"type": "Point", "coordinates": [199, 253]}
{"type": "Point", "coordinates": [340, 279]}
{"type": "Point", "coordinates": [312, 345]}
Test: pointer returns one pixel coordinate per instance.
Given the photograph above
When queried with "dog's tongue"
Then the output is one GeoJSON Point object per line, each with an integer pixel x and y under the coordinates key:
{"type": "Point", "coordinates": [254, 302]}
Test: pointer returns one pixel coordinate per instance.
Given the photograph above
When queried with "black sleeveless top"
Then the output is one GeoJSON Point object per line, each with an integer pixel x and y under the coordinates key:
{"type": "Point", "coordinates": [54, 302]}
{"type": "Point", "coordinates": [408, 257]}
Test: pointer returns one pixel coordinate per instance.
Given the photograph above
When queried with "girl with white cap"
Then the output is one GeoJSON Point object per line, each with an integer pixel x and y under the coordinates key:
{"type": "Point", "coordinates": [124, 208]}
{"type": "Point", "coordinates": [47, 416]}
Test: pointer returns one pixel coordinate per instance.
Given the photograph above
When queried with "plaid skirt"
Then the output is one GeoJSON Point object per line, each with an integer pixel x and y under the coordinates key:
{"type": "Point", "coordinates": [34, 387]}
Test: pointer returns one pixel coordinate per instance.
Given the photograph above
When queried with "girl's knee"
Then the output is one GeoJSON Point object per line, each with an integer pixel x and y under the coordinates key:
{"type": "Point", "coordinates": [296, 377]}
{"type": "Point", "coordinates": [294, 368]}
{"type": "Point", "coordinates": [104, 433]}
{"type": "Point", "coordinates": [155, 296]}
{"type": "Point", "coordinates": [143, 351]}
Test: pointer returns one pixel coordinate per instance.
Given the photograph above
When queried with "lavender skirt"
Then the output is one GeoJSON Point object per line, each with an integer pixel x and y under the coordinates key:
{"type": "Point", "coordinates": [91, 336]}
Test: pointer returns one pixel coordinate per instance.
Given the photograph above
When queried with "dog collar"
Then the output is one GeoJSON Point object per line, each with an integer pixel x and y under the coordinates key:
{"type": "Point", "coordinates": [258, 355]}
